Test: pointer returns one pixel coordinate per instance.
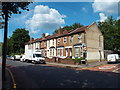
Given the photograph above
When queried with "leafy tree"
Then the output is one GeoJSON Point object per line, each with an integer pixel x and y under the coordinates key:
{"type": "Point", "coordinates": [111, 31]}
{"type": "Point", "coordinates": [71, 27]}
{"type": "Point", "coordinates": [16, 43]}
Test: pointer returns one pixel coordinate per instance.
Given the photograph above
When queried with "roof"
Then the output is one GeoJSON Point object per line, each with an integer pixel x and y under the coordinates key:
{"type": "Point", "coordinates": [65, 33]}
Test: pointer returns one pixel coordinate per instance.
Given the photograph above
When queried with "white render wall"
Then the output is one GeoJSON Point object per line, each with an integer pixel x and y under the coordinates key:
{"type": "Point", "coordinates": [50, 45]}
{"type": "Point", "coordinates": [94, 55]}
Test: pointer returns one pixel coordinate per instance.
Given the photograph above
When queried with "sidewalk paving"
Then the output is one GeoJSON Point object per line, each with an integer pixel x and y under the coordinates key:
{"type": "Point", "coordinates": [78, 66]}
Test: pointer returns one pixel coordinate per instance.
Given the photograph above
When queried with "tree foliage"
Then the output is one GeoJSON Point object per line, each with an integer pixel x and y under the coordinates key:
{"type": "Point", "coordinates": [16, 43]}
{"type": "Point", "coordinates": [13, 7]}
{"type": "Point", "coordinates": [71, 27]}
{"type": "Point", "coordinates": [111, 31]}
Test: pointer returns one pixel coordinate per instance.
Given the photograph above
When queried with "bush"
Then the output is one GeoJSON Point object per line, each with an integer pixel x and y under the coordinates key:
{"type": "Point", "coordinates": [78, 60]}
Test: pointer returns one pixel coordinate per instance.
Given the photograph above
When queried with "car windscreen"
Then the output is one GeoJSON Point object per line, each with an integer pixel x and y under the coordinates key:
{"type": "Point", "coordinates": [38, 55]}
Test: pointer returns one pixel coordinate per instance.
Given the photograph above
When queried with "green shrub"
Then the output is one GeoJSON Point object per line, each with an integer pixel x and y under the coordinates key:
{"type": "Point", "coordinates": [78, 60]}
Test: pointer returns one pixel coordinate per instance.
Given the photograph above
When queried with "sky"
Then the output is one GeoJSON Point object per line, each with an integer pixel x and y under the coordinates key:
{"type": "Point", "coordinates": [45, 17]}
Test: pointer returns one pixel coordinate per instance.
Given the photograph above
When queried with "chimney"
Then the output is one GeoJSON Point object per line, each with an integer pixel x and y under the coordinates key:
{"type": "Point", "coordinates": [43, 35]}
{"type": "Point", "coordinates": [31, 39]}
{"type": "Point", "coordinates": [60, 31]}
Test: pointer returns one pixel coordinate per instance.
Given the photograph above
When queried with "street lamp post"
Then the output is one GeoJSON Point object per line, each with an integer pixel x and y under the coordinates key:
{"type": "Point", "coordinates": [100, 47]}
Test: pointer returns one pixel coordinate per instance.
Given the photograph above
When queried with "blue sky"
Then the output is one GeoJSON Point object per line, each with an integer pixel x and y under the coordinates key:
{"type": "Point", "coordinates": [45, 17]}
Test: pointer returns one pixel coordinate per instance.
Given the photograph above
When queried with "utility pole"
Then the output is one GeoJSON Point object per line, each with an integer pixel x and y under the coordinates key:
{"type": "Point", "coordinates": [4, 52]}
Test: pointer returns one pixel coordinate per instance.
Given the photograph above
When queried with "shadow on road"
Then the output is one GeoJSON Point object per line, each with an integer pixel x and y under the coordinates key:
{"type": "Point", "coordinates": [38, 76]}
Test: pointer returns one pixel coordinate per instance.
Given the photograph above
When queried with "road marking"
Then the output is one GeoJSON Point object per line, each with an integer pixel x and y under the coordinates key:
{"type": "Point", "coordinates": [13, 80]}
{"type": "Point", "coordinates": [107, 67]}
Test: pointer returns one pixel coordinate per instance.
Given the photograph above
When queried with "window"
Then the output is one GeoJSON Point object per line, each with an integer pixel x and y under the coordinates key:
{"type": "Point", "coordinates": [37, 45]}
{"type": "Point", "coordinates": [58, 52]}
{"type": "Point", "coordinates": [50, 52]}
{"type": "Point", "coordinates": [53, 52]}
{"type": "Point", "coordinates": [76, 52]}
{"type": "Point", "coordinates": [79, 37]}
{"type": "Point", "coordinates": [71, 39]}
{"type": "Point", "coordinates": [58, 40]}
{"type": "Point", "coordinates": [65, 40]}
{"type": "Point", "coordinates": [29, 46]}
{"type": "Point", "coordinates": [53, 42]}
{"type": "Point", "coordinates": [44, 44]}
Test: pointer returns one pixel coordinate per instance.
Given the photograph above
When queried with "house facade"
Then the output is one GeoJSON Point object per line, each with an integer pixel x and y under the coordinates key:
{"type": "Point", "coordinates": [82, 42]}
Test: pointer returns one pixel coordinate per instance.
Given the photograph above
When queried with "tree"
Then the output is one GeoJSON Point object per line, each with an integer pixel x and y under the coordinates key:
{"type": "Point", "coordinates": [18, 40]}
{"type": "Point", "coordinates": [9, 8]}
{"type": "Point", "coordinates": [111, 31]}
{"type": "Point", "coordinates": [71, 27]}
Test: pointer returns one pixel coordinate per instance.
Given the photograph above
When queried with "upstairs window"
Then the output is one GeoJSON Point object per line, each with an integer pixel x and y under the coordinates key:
{"type": "Point", "coordinates": [37, 45]}
{"type": "Point", "coordinates": [71, 39]}
{"type": "Point", "coordinates": [58, 40]}
{"type": "Point", "coordinates": [53, 42]}
{"type": "Point", "coordinates": [80, 38]}
{"type": "Point", "coordinates": [44, 44]}
{"type": "Point", "coordinates": [65, 40]}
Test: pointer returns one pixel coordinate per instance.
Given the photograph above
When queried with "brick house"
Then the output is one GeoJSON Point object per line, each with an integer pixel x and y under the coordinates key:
{"type": "Point", "coordinates": [82, 42]}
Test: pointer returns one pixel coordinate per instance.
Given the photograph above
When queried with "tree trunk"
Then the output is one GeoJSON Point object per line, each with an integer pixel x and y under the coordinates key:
{"type": "Point", "coordinates": [4, 52]}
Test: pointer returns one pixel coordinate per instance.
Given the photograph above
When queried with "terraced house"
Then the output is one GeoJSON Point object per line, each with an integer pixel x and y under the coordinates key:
{"type": "Point", "coordinates": [82, 42]}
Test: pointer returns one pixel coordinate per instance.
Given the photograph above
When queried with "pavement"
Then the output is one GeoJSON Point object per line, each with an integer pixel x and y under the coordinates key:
{"type": "Point", "coordinates": [78, 66]}
{"type": "Point", "coordinates": [96, 66]}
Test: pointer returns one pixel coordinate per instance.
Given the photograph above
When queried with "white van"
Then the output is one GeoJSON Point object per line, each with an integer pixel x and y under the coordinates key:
{"type": "Point", "coordinates": [22, 58]}
{"type": "Point", "coordinates": [34, 56]}
{"type": "Point", "coordinates": [113, 58]}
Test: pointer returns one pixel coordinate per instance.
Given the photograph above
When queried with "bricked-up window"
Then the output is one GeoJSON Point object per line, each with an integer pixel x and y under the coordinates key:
{"type": "Point", "coordinates": [80, 38]}
{"type": "Point", "coordinates": [65, 40]}
{"type": "Point", "coordinates": [71, 39]}
{"type": "Point", "coordinates": [58, 40]}
{"type": "Point", "coordinates": [76, 52]}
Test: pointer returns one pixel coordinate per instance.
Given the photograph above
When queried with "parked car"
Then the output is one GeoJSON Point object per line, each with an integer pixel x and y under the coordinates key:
{"type": "Point", "coordinates": [22, 58]}
{"type": "Point", "coordinates": [17, 57]}
{"type": "Point", "coordinates": [11, 57]}
{"type": "Point", "coordinates": [113, 58]}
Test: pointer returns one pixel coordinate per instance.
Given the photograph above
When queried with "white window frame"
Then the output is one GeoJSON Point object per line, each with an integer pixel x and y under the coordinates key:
{"type": "Point", "coordinates": [76, 52]}
{"type": "Point", "coordinates": [58, 52]}
{"type": "Point", "coordinates": [65, 40]}
{"type": "Point", "coordinates": [80, 37]}
{"type": "Point", "coordinates": [71, 39]}
{"type": "Point", "coordinates": [50, 52]}
{"type": "Point", "coordinates": [44, 43]}
{"type": "Point", "coordinates": [58, 41]}
{"type": "Point", "coordinates": [53, 42]}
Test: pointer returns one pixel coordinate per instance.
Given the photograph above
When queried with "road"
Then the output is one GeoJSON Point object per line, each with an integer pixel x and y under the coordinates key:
{"type": "Point", "coordinates": [27, 75]}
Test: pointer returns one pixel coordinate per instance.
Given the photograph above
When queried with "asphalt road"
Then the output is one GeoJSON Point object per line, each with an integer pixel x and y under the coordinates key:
{"type": "Point", "coordinates": [28, 75]}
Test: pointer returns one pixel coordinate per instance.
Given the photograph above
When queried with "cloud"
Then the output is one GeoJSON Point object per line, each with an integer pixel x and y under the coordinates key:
{"type": "Point", "coordinates": [84, 9]}
{"type": "Point", "coordinates": [108, 7]}
{"type": "Point", "coordinates": [118, 17]}
{"type": "Point", "coordinates": [45, 18]}
{"type": "Point", "coordinates": [102, 17]}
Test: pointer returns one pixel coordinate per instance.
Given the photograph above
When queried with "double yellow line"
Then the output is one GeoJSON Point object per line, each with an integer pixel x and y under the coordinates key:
{"type": "Point", "coordinates": [13, 80]}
